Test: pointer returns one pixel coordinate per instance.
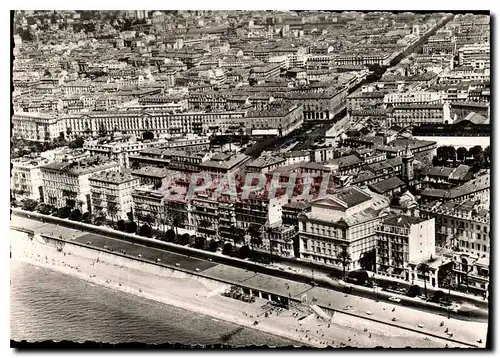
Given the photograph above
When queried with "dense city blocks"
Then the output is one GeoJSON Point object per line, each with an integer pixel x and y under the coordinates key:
{"type": "Point", "coordinates": [288, 160]}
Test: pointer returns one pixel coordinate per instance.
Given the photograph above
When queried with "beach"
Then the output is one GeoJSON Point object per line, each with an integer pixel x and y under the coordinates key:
{"type": "Point", "coordinates": [202, 296]}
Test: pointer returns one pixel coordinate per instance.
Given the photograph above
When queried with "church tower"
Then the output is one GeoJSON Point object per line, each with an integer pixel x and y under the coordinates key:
{"type": "Point", "coordinates": [407, 165]}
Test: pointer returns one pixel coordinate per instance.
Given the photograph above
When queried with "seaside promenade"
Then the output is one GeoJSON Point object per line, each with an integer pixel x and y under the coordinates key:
{"type": "Point", "coordinates": [349, 310]}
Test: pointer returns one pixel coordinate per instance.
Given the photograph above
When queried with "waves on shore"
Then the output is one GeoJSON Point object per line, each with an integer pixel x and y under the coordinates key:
{"type": "Point", "coordinates": [46, 304]}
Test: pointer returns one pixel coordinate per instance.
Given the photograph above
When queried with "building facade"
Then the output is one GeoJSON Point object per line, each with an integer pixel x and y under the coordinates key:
{"type": "Point", "coordinates": [403, 239]}
{"type": "Point", "coordinates": [111, 194]}
{"type": "Point", "coordinates": [343, 222]}
{"type": "Point", "coordinates": [67, 183]}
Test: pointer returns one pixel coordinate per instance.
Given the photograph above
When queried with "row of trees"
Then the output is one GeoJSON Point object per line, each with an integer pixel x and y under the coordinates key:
{"type": "Point", "coordinates": [67, 212]}
{"type": "Point", "coordinates": [22, 147]}
{"type": "Point", "coordinates": [477, 156]}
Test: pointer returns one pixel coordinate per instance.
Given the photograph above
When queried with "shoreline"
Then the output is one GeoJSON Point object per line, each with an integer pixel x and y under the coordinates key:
{"type": "Point", "coordinates": [204, 297]}
{"type": "Point", "coordinates": [119, 294]}
{"type": "Point", "coordinates": [133, 288]}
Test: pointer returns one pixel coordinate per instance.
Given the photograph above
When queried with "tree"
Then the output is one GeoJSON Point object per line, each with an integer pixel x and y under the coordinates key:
{"type": "Point", "coordinates": [112, 210]}
{"type": "Point", "coordinates": [241, 132]}
{"type": "Point", "coordinates": [70, 203]}
{"type": "Point", "coordinates": [45, 209]}
{"type": "Point", "coordinates": [244, 252]}
{"type": "Point", "coordinates": [227, 249]}
{"type": "Point", "coordinates": [131, 227]}
{"type": "Point", "coordinates": [178, 220]}
{"type": "Point", "coordinates": [446, 153]}
{"type": "Point", "coordinates": [213, 245]}
{"type": "Point", "coordinates": [461, 153]}
{"type": "Point", "coordinates": [237, 234]}
{"type": "Point", "coordinates": [184, 239]}
{"type": "Point", "coordinates": [77, 143]}
{"type": "Point", "coordinates": [102, 131]}
{"type": "Point", "coordinates": [413, 291]}
{"type": "Point", "coordinates": [345, 257]}
{"type": "Point", "coordinates": [145, 230]}
{"type": "Point", "coordinates": [170, 235]}
{"type": "Point", "coordinates": [255, 235]}
{"type": "Point", "coordinates": [86, 217]}
{"type": "Point", "coordinates": [452, 153]}
{"type": "Point", "coordinates": [367, 260]}
{"type": "Point", "coordinates": [29, 204]}
{"type": "Point", "coordinates": [479, 162]}
{"type": "Point", "coordinates": [87, 131]}
{"type": "Point", "coordinates": [423, 268]}
{"type": "Point", "coordinates": [99, 220]}
{"type": "Point", "coordinates": [200, 242]}
{"type": "Point", "coordinates": [64, 212]}
{"type": "Point", "coordinates": [487, 154]}
{"type": "Point", "coordinates": [148, 135]}
{"type": "Point", "coordinates": [436, 161]}
{"type": "Point", "coordinates": [121, 225]}
{"type": "Point", "coordinates": [76, 215]}
{"type": "Point", "coordinates": [474, 151]}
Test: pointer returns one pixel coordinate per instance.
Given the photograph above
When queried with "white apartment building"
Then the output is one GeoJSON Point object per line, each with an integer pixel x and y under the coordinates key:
{"type": "Point", "coordinates": [346, 220]}
{"type": "Point", "coordinates": [403, 239]}
{"type": "Point", "coordinates": [37, 127]}
{"type": "Point", "coordinates": [148, 205]}
{"type": "Point", "coordinates": [26, 179]}
{"type": "Point", "coordinates": [465, 74]}
{"type": "Point", "coordinates": [420, 97]}
{"type": "Point", "coordinates": [111, 193]}
{"type": "Point", "coordinates": [67, 183]}
{"type": "Point", "coordinates": [474, 52]}
{"type": "Point", "coordinates": [464, 226]}
{"type": "Point", "coordinates": [119, 150]}
{"type": "Point", "coordinates": [159, 122]}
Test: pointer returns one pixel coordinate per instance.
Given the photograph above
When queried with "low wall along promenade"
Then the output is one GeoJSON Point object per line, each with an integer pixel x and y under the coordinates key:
{"type": "Point", "coordinates": [138, 276]}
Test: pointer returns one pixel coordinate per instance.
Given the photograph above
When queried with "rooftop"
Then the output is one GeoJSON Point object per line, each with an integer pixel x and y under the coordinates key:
{"type": "Point", "coordinates": [478, 184]}
{"type": "Point", "coordinates": [112, 177]}
{"type": "Point", "coordinates": [346, 161]}
{"type": "Point", "coordinates": [150, 171]}
{"type": "Point", "coordinates": [300, 167]}
{"type": "Point", "coordinates": [82, 167]}
{"type": "Point", "coordinates": [475, 118]}
{"type": "Point", "coordinates": [387, 185]}
{"type": "Point", "coordinates": [417, 106]}
{"type": "Point", "coordinates": [439, 171]}
{"type": "Point", "coordinates": [460, 173]}
{"type": "Point", "coordinates": [265, 161]}
{"type": "Point", "coordinates": [402, 221]}
{"type": "Point", "coordinates": [224, 161]}
{"type": "Point", "coordinates": [352, 196]}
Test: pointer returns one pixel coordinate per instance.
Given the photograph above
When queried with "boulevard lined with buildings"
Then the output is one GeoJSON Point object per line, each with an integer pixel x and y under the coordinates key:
{"type": "Point", "coordinates": [119, 115]}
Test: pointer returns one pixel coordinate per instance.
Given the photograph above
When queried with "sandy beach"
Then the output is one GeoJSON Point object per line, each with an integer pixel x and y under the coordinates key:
{"type": "Point", "coordinates": [171, 287]}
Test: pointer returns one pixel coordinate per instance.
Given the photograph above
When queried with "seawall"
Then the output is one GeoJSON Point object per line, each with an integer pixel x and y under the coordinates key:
{"type": "Point", "coordinates": [50, 246]}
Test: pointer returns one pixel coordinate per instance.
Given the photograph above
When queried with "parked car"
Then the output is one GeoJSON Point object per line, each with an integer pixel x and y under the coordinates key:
{"type": "Point", "coordinates": [395, 299]}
